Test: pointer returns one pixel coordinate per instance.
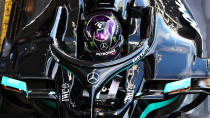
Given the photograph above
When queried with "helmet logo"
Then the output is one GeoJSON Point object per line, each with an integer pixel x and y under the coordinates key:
{"type": "Point", "coordinates": [103, 46]}
{"type": "Point", "coordinates": [103, 30]}
{"type": "Point", "coordinates": [99, 25]}
{"type": "Point", "coordinates": [92, 78]}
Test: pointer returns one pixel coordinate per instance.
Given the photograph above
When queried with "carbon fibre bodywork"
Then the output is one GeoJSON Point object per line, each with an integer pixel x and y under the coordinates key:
{"type": "Point", "coordinates": [159, 49]}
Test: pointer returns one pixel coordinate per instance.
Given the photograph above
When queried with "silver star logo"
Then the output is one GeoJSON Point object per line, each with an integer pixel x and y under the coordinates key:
{"type": "Point", "coordinates": [92, 78]}
{"type": "Point", "coordinates": [104, 46]}
{"type": "Point", "coordinates": [99, 25]}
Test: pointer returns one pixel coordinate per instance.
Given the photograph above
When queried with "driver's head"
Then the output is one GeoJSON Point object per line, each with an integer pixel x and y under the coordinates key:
{"type": "Point", "coordinates": [103, 39]}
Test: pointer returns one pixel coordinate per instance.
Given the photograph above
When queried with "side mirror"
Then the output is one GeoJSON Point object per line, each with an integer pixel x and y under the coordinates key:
{"type": "Point", "coordinates": [14, 85]}
{"type": "Point", "coordinates": [177, 86]}
{"type": "Point", "coordinates": [184, 86]}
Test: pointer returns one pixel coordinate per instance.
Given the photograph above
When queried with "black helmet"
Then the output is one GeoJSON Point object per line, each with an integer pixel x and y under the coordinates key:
{"type": "Point", "coordinates": [103, 38]}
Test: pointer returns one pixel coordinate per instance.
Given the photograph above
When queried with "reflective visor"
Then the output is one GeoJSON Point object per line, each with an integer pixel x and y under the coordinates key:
{"type": "Point", "coordinates": [101, 28]}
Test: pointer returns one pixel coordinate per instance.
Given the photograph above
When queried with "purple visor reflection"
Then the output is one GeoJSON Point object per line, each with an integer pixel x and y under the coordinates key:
{"type": "Point", "coordinates": [101, 28]}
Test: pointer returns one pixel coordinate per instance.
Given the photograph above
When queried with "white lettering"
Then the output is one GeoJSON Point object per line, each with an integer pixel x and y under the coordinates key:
{"type": "Point", "coordinates": [65, 95]}
{"type": "Point", "coordinates": [141, 55]}
{"type": "Point", "coordinates": [106, 53]}
{"type": "Point", "coordinates": [12, 81]}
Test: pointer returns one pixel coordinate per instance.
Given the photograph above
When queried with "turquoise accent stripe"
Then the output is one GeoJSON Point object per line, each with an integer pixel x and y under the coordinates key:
{"type": "Point", "coordinates": [177, 85]}
{"type": "Point", "coordinates": [125, 68]}
{"type": "Point", "coordinates": [70, 71]}
{"type": "Point", "coordinates": [157, 105]}
{"type": "Point", "coordinates": [20, 85]}
{"type": "Point", "coordinates": [51, 104]}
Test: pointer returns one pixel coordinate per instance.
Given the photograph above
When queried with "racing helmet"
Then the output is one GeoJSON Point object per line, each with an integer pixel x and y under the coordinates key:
{"type": "Point", "coordinates": [103, 38]}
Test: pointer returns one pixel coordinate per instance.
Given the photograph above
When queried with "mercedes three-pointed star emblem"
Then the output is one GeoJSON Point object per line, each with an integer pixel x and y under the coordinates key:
{"type": "Point", "coordinates": [92, 78]}
{"type": "Point", "coordinates": [104, 46]}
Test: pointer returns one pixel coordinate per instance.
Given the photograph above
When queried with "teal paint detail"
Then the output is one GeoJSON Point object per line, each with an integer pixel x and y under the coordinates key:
{"type": "Point", "coordinates": [49, 103]}
{"type": "Point", "coordinates": [52, 93]}
{"type": "Point", "coordinates": [20, 85]}
{"type": "Point", "coordinates": [125, 68]}
{"type": "Point", "coordinates": [138, 94]}
{"type": "Point", "coordinates": [177, 85]}
{"type": "Point", "coordinates": [157, 105]}
{"type": "Point", "coordinates": [71, 72]}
